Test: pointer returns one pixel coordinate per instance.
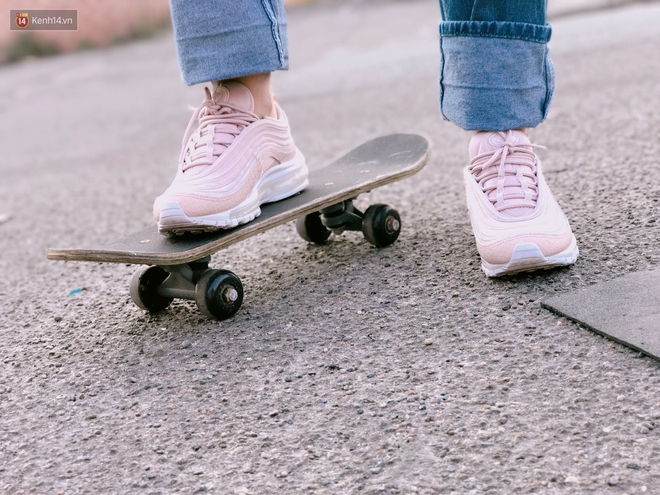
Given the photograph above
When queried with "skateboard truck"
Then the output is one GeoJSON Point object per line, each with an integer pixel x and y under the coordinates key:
{"type": "Point", "coordinates": [342, 216]}
{"type": "Point", "coordinates": [380, 224]}
{"type": "Point", "coordinates": [218, 293]}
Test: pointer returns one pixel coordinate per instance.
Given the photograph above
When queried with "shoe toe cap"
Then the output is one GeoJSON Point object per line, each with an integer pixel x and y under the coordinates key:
{"type": "Point", "coordinates": [501, 251]}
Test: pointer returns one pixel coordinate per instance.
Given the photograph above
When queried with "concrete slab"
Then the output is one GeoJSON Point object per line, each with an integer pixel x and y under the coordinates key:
{"type": "Point", "coordinates": [626, 310]}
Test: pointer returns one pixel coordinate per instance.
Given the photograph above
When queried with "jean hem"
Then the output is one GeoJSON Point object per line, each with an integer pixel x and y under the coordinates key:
{"type": "Point", "coordinates": [494, 84]}
{"type": "Point", "coordinates": [535, 33]}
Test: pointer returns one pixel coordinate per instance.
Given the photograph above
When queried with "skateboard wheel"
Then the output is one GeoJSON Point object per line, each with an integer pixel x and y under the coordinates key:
{"type": "Point", "coordinates": [311, 229]}
{"type": "Point", "coordinates": [381, 225]}
{"type": "Point", "coordinates": [144, 289]}
{"type": "Point", "coordinates": [219, 294]}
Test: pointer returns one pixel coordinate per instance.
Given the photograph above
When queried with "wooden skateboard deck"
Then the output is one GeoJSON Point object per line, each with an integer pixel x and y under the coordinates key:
{"type": "Point", "coordinates": [373, 164]}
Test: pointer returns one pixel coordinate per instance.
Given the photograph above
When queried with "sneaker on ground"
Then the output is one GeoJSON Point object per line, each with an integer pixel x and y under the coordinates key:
{"type": "Point", "coordinates": [230, 165]}
{"type": "Point", "coordinates": [518, 225]}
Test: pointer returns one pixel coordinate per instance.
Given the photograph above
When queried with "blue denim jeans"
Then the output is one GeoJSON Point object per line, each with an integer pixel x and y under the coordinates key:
{"type": "Point", "coordinates": [223, 39]}
{"type": "Point", "coordinates": [495, 69]}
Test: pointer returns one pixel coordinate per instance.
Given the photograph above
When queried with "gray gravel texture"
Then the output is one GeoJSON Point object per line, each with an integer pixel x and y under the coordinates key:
{"type": "Point", "coordinates": [349, 369]}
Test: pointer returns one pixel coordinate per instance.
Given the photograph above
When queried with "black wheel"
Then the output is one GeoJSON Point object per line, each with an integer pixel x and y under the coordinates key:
{"type": "Point", "coordinates": [381, 225]}
{"type": "Point", "coordinates": [219, 294]}
{"type": "Point", "coordinates": [311, 229]}
{"type": "Point", "coordinates": [144, 289]}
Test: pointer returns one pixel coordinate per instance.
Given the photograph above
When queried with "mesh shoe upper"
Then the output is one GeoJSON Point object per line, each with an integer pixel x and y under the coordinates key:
{"type": "Point", "coordinates": [504, 165]}
{"type": "Point", "coordinates": [225, 156]}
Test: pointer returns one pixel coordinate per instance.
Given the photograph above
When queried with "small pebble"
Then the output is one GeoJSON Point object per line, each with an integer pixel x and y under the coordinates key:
{"type": "Point", "coordinates": [428, 341]}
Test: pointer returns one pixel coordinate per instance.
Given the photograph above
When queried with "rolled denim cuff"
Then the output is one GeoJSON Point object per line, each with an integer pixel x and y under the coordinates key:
{"type": "Point", "coordinates": [495, 76]}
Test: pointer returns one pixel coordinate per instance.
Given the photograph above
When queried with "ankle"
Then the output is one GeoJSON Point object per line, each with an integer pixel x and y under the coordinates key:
{"type": "Point", "coordinates": [259, 86]}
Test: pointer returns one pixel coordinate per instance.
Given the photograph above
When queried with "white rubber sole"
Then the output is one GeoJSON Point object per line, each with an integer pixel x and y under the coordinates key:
{"type": "Point", "coordinates": [527, 257]}
{"type": "Point", "coordinates": [279, 182]}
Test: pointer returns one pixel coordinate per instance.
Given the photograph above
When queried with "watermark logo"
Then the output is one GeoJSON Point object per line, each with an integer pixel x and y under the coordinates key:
{"type": "Point", "coordinates": [44, 20]}
{"type": "Point", "coordinates": [22, 19]}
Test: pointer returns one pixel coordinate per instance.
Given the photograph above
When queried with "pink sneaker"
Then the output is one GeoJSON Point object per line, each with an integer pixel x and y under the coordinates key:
{"type": "Point", "coordinates": [233, 163]}
{"type": "Point", "coordinates": [518, 225]}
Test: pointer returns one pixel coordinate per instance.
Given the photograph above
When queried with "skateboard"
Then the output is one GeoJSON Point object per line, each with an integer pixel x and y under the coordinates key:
{"type": "Point", "coordinates": [178, 265]}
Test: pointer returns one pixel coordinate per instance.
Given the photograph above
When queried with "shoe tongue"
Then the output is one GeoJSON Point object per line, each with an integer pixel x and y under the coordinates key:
{"type": "Point", "coordinates": [488, 142]}
{"type": "Point", "coordinates": [218, 136]}
{"type": "Point", "coordinates": [235, 94]}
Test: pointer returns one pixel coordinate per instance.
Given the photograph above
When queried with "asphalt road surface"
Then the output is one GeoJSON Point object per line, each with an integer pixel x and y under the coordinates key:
{"type": "Point", "coordinates": [349, 369]}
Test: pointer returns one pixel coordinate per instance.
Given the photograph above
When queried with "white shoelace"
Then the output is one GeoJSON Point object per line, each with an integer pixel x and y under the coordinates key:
{"type": "Point", "coordinates": [508, 175]}
{"type": "Point", "coordinates": [219, 124]}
